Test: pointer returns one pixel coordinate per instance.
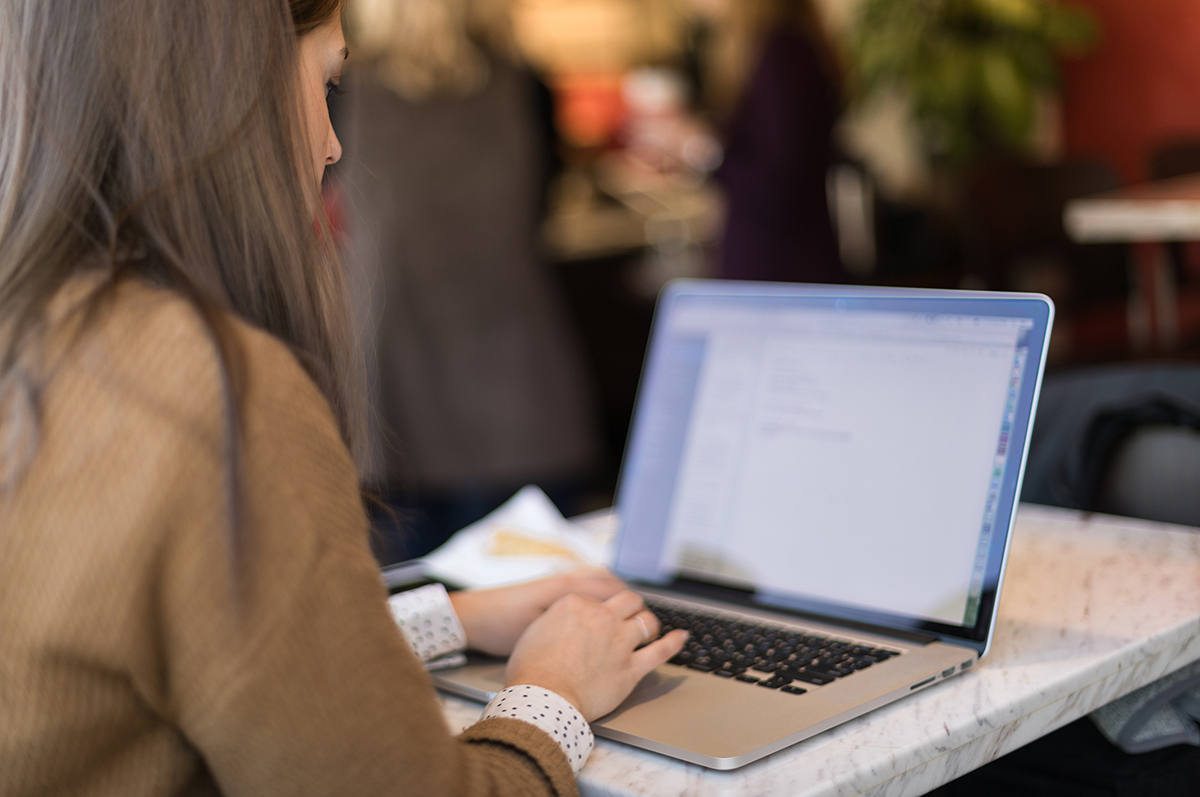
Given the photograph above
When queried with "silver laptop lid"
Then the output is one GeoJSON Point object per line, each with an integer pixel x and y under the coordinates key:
{"type": "Point", "coordinates": [854, 454]}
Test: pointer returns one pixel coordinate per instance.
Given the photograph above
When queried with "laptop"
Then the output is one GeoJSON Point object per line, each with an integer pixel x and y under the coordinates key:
{"type": "Point", "coordinates": [820, 484]}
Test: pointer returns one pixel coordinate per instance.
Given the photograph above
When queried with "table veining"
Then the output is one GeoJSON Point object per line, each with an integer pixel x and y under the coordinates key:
{"type": "Point", "coordinates": [1092, 608]}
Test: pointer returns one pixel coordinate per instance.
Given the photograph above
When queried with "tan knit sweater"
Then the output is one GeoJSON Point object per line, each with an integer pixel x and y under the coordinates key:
{"type": "Point", "coordinates": [145, 651]}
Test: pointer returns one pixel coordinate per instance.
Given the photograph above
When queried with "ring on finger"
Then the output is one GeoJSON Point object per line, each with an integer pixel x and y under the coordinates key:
{"type": "Point", "coordinates": [642, 624]}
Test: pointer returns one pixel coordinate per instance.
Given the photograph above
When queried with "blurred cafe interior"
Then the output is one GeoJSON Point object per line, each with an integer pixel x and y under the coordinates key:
{"type": "Point", "coordinates": [522, 177]}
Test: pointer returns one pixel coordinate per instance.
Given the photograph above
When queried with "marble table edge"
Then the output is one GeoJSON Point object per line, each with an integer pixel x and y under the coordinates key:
{"type": "Point", "coordinates": [1021, 730]}
{"type": "Point", "coordinates": [1123, 674]}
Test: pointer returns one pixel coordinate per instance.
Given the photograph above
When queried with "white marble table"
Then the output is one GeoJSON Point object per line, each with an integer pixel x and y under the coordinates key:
{"type": "Point", "coordinates": [1162, 210]}
{"type": "Point", "coordinates": [1093, 607]}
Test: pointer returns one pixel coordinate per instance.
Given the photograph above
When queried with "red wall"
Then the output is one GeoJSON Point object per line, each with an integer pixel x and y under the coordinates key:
{"type": "Point", "coordinates": [1140, 87]}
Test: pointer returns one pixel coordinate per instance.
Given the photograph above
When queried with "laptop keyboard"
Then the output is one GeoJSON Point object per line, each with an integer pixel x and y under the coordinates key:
{"type": "Point", "coordinates": [771, 656]}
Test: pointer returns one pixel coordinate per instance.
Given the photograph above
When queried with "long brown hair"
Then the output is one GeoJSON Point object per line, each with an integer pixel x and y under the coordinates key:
{"type": "Point", "coordinates": [163, 141]}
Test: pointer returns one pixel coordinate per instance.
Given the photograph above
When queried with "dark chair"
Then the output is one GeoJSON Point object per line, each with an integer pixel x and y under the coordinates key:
{"type": "Point", "coordinates": [1124, 440]}
{"type": "Point", "coordinates": [1155, 474]}
{"type": "Point", "coordinates": [1119, 439]}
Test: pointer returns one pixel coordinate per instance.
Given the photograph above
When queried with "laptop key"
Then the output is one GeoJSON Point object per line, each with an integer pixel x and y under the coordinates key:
{"type": "Point", "coordinates": [793, 690]}
{"type": "Point", "coordinates": [750, 679]}
{"type": "Point", "coordinates": [775, 682]}
{"type": "Point", "coordinates": [814, 678]}
{"type": "Point", "coordinates": [730, 647]}
{"type": "Point", "coordinates": [832, 672]}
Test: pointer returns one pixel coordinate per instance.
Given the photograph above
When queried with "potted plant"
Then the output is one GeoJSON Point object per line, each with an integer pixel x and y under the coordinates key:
{"type": "Point", "coordinates": [973, 70]}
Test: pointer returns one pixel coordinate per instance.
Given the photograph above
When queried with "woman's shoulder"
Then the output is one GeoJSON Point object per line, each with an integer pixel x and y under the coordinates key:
{"type": "Point", "coordinates": [139, 319]}
{"type": "Point", "coordinates": [154, 358]}
{"type": "Point", "coordinates": [138, 325]}
{"type": "Point", "coordinates": [131, 494]}
{"type": "Point", "coordinates": [135, 407]}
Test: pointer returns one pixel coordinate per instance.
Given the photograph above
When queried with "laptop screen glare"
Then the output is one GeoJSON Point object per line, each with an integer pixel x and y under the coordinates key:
{"type": "Point", "coordinates": [827, 455]}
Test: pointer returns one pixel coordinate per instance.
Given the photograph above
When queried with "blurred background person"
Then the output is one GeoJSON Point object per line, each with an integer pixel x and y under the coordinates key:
{"type": "Point", "coordinates": [771, 74]}
{"type": "Point", "coordinates": [477, 383]}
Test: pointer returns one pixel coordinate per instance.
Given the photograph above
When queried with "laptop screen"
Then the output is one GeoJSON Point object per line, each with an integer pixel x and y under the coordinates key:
{"type": "Point", "coordinates": [851, 453]}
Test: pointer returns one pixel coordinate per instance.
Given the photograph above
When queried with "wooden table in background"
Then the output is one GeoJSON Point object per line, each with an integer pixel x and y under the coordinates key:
{"type": "Point", "coordinates": [1148, 216]}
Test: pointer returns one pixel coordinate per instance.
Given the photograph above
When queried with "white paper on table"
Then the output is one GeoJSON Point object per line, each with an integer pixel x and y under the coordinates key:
{"type": "Point", "coordinates": [524, 539]}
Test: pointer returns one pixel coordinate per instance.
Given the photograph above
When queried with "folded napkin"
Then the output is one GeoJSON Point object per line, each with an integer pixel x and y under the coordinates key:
{"type": "Point", "coordinates": [524, 539]}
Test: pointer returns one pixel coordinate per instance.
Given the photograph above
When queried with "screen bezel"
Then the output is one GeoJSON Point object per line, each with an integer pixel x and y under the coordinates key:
{"type": "Point", "coordinates": [1034, 307]}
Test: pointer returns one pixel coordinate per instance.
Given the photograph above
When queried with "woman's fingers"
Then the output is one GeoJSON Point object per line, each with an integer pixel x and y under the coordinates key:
{"type": "Point", "coordinates": [658, 652]}
{"type": "Point", "coordinates": [584, 649]}
{"type": "Point", "coordinates": [625, 604]}
{"type": "Point", "coordinates": [641, 628]}
{"type": "Point", "coordinates": [599, 582]}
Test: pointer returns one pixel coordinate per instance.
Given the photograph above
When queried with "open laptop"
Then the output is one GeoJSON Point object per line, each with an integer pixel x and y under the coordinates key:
{"type": "Point", "coordinates": [820, 485]}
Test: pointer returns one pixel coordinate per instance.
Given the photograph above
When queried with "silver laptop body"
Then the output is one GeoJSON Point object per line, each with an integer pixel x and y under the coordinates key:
{"type": "Point", "coordinates": [829, 471]}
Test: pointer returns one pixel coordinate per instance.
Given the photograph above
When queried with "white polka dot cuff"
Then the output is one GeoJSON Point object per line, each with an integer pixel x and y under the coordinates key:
{"type": "Point", "coordinates": [550, 712]}
{"type": "Point", "coordinates": [427, 619]}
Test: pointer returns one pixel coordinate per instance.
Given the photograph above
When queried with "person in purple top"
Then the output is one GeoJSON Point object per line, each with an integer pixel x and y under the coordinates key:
{"type": "Point", "coordinates": [773, 70]}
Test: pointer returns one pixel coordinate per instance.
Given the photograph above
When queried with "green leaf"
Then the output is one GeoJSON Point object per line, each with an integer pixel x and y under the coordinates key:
{"type": "Point", "coordinates": [1035, 62]}
{"type": "Point", "coordinates": [1072, 31]}
{"type": "Point", "coordinates": [1023, 15]}
{"type": "Point", "coordinates": [947, 81]}
{"type": "Point", "coordinates": [1007, 96]}
{"type": "Point", "coordinates": [971, 67]}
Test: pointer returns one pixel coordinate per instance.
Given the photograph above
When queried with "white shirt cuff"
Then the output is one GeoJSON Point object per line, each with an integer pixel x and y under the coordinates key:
{"type": "Point", "coordinates": [550, 712]}
{"type": "Point", "coordinates": [427, 620]}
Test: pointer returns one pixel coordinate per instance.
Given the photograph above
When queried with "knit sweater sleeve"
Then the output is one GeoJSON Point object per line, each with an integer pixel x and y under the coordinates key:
{"type": "Point", "coordinates": [274, 653]}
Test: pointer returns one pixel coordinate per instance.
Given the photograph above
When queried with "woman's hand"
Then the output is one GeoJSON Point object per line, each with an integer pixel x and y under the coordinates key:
{"type": "Point", "coordinates": [585, 650]}
{"type": "Point", "coordinates": [495, 618]}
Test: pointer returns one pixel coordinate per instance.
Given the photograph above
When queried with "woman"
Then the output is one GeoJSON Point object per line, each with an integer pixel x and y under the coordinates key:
{"type": "Point", "coordinates": [477, 386]}
{"type": "Point", "coordinates": [187, 601]}
{"type": "Point", "coordinates": [774, 75]}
